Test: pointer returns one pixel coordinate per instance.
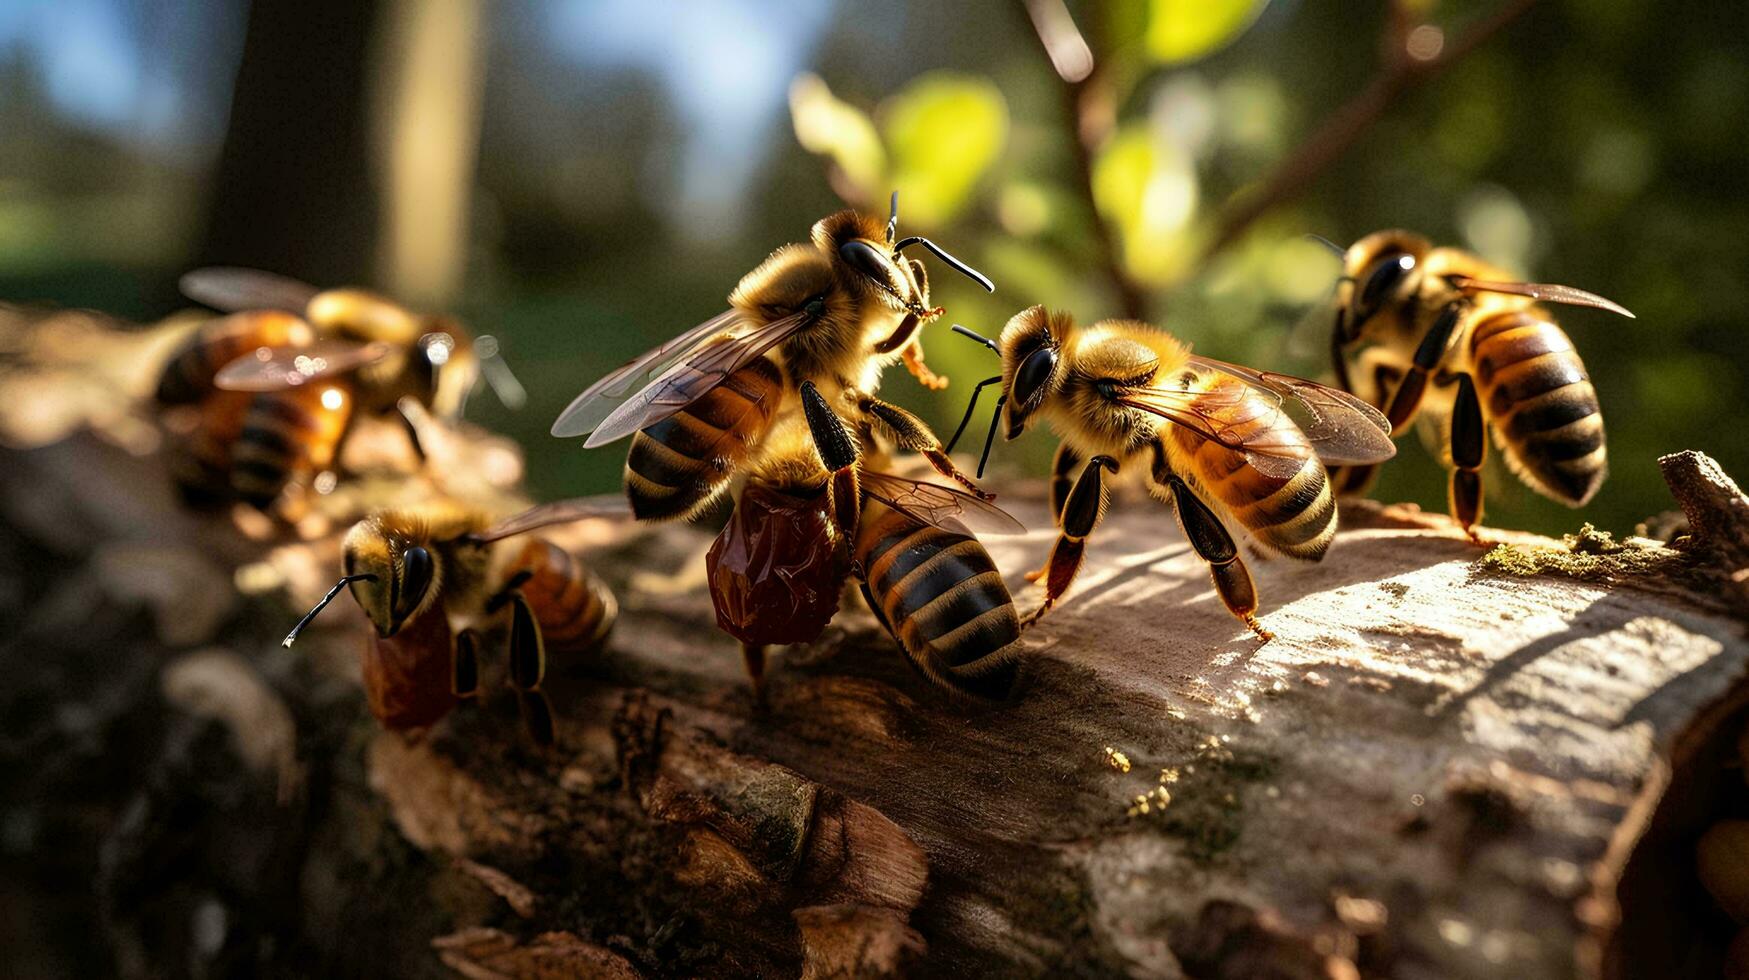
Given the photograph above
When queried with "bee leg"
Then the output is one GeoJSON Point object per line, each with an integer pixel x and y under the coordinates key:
{"type": "Point", "coordinates": [912, 357]}
{"type": "Point", "coordinates": [1469, 446]}
{"type": "Point", "coordinates": [528, 667]}
{"type": "Point", "coordinates": [1214, 545]}
{"type": "Point", "coordinates": [537, 716]}
{"type": "Point", "coordinates": [840, 451]}
{"type": "Point", "coordinates": [465, 664]}
{"type": "Point", "coordinates": [909, 432]}
{"type": "Point", "coordinates": [412, 429]}
{"type": "Point", "coordinates": [1082, 509]}
{"type": "Point", "coordinates": [1427, 357]}
{"type": "Point", "coordinates": [753, 655]}
{"type": "Point", "coordinates": [1062, 468]}
{"type": "Point", "coordinates": [901, 336]}
{"type": "Point", "coordinates": [1062, 465]}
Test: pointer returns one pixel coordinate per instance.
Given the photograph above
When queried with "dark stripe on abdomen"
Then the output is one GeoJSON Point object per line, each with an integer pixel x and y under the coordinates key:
{"type": "Point", "coordinates": [940, 596]}
{"type": "Point", "coordinates": [1541, 404]}
{"type": "Point", "coordinates": [283, 434]}
{"type": "Point", "coordinates": [188, 374]}
{"type": "Point", "coordinates": [681, 463]}
{"type": "Point", "coordinates": [1295, 516]}
{"type": "Point", "coordinates": [574, 609]}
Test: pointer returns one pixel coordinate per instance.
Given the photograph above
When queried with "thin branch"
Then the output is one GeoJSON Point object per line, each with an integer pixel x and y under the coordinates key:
{"type": "Point", "coordinates": [1412, 57]}
{"type": "Point", "coordinates": [1090, 112]}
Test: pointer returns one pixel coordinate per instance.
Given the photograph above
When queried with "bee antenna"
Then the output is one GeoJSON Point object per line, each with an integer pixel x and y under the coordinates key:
{"type": "Point", "coordinates": [990, 438]}
{"type": "Point", "coordinates": [940, 253]}
{"type": "Point", "coordinates": [971, 406]}
{"type": "Point", "coordinates": [980, 338]}
{"type": "Point", "coordinates": [1334, 248]}
{"type": "Point", "coordinates": [893, 218]}
{"type": "Point", "coordinates": [496, 371]}
{"type": "Point", "coordinates": [345, 580]}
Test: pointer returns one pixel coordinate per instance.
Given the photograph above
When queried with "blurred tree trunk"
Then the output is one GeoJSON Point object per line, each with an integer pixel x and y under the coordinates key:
{"type": "Point", "coordinates": [427, 127]}
{"type": "Point", "coordinates": [294, 190]}
{"type": "Point", "coordinates": [349, 156]}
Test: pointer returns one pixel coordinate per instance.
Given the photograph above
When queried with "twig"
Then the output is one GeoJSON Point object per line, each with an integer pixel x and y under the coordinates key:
{"type": "Point", "coordinates": [1403, 68]}
{"type": "Point", "coordinates": [1090, 111]}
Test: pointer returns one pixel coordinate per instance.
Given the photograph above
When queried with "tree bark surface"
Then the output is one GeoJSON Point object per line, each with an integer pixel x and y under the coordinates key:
{"type": "Point", "coordinates": [1438, 767]}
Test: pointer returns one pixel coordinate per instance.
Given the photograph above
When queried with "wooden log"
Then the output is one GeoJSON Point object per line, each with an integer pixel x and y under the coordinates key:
{"type": "Point", "coordinates": [1441, 766]}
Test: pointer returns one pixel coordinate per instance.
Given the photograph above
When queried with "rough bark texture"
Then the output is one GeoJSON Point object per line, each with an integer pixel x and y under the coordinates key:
{"type": "Point", "coordinates": [1439, 767]}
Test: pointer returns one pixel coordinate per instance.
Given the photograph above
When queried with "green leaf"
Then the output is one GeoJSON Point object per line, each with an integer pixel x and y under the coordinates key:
{"type": "Point", "coordinates": [833, 128]}
{"type": "Point", "coordinates": [944, 130]}
{"type": "Point", "coordinates": [1147, 189]}
{"type": "Point", "coordinates": [1185, 30]}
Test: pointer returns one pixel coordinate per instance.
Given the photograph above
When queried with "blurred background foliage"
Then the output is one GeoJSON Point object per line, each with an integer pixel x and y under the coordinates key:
{"type": "Point", "coordinates": [585, 179]}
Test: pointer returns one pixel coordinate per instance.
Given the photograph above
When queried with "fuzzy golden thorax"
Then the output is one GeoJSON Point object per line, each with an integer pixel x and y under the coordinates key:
{"type": "Point", "coordinates": [1436, 291]}
{"type": "Point", "coordinates": [1101, 362]}
{"type": "Point", "coordinates": [414, 554]}
{"type": "Point", "coordinates": [788, 280]}
{"type": "Point", "coordinates": [431, 358]}
{"type": "Point", "coordinates": [832, 350]}
{"type": "Point", "coordinates": [355, 314]}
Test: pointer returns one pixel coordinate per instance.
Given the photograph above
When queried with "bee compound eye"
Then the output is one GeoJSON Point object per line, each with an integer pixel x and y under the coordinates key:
{"type": "Point", "coordinates": [866, 259]}
{"type": "Point", "coordinates": [1383, 280]}
{"type": "Point", "coordinates": [1030, 379]}
{"type": "Point", "coordinates": [416, 568]}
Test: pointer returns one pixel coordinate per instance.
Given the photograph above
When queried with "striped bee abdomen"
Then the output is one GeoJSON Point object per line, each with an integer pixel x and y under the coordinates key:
{"type": "Point", "coordinates": [681, 463]}
{"type": "Point", "coordinates": [201, 463]}
{"type": "Point", "coordinates": [287, 435]}
{"type": "Point", "coordinates": [1296, 515]}
{"type": "Point", "coordinates": [1540, 403]}
{"type": "Point", "coordinates": [940, 596]}
{"type": "Point", "coordinates": [188, 374]}
{"type": "Point", "coordinates": [575, 610]}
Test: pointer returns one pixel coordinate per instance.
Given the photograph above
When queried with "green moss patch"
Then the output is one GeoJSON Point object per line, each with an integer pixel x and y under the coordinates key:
{"type": "Point", "coordinates": [1590, 555]}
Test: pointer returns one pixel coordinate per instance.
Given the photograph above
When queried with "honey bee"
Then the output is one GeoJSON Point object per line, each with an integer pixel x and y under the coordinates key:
{"type": "Point", "coordinates": [835, 311]}
{"type": "Point", "coordinates": [279, 382]}
{"type": "Point", "coordinates": [1215, 440]}
{"type": "Point", "coordinates": [811, 517]}
{"type": "Point", "coordinates": [1419, 327]}
{"type": "Point", "coordinates": [419, 573]}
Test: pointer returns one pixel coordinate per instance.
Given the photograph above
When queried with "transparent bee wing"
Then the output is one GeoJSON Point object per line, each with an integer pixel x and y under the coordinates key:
{"type": "Point", "coordinates": [1543, 291]}
{"type": "Point", "coordinates": [599, 400]}
{"type": "Point", "coordinates": [610, 505]}
{"type": "Point", "coordinates": [279, 368]}
{"type": "Point", "coordinates": [1342, 428]}
{"type": "Point", "coordinates": [1211, 418]}
{"type": "Point", "coordinates": [234, 289]}
{"type": "Point", "coordinates": [702, 368]}
{"type": "Point", "coordinates": [1336, 427]}
{"type": "Point", "coordinates": [939, 506]}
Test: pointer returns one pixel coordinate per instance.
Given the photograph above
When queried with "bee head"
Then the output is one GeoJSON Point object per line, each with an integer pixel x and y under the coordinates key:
{"type": "Point", "coordinates": [863, 256]}
{"type": "Point", "coordinates": [1380, 271]}
{"type": "Point", "coordinates": [869, 252]}
{"type": "Point", "coordinates": [394, 575]}
{"type": "Point", "coordinates": [1032, 365]}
